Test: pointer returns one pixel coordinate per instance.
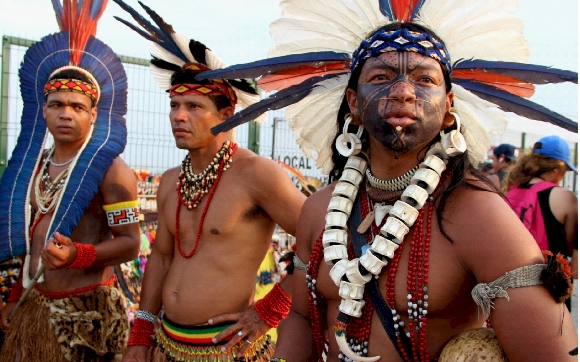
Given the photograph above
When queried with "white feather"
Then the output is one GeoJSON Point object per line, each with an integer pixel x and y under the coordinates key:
{"type": "Point", "coordinates": [158, 52]}
{"type": "Point", "coordinates": [212, 61]}
{"type": "Point", "coordinates": [161, 76]}
{"type": "Point", "coordinates": [183, 43]}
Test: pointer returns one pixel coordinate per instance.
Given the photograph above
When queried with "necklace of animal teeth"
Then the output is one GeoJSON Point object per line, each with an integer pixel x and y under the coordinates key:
{"type": "Point", "coordinates": [351, 276]}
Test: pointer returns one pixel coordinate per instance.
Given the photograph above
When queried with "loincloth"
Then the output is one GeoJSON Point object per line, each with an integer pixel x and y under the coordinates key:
{"type": "Point", "coordinates": [175, 342]}
{"type": "Point", "coordinates": [89, 327]}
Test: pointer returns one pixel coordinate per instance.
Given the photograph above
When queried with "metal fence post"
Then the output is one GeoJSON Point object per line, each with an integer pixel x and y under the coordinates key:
{"type": "Point", "coordinates": [523, 141]}
{"type": "Point", "coordinates": [4, 104]}
{"type": "Point", "coordinates": [254, 137]}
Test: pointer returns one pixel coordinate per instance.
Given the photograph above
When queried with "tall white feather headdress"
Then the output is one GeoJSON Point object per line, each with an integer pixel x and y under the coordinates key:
{"type": "Point", "coordinates": [314, 40]}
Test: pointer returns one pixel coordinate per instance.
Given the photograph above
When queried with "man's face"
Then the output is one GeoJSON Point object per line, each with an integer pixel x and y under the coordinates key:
{"type": "Point", "coordinates": [69, 116]}
{"type": "Point", "coordinates": [401, 100]}
{"type": "Point", "coordinates": [192, 117]}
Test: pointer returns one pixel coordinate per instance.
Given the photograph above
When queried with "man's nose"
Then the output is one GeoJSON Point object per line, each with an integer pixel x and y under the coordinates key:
{"type": "Point", "coordinates": [402, 92]}
{"type": "Point", "coordinates": [179, 114]}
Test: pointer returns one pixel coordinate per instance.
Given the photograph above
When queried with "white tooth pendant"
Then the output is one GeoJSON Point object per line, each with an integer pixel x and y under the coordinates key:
{"type": "Point", "coordinates": [415, 196]}
{"type": "Point", "coordinates": [338, 270]}
{"type": "Point", "coordinates": [348, 290]}
{"type": "Point", "coordinates": [345, 189]}
{"type": "Point", "coordinates": [395, 228]}
{"type": "Point", "coordinates": [351, 307]}
{"type": "Point", "coordinates": [334, 236]}
{"type": "Point", "coordinates": [335, 252]}
{"type": "Point", "coordinates": [354, 275]}
{"type": "Point", "coordinates": [336, 220]}
{"type": "Point", "coordinates": [381, 210]}
{"type": "Point", "coordinates": [434, 163]}
{"type": "Point", "coordinates": [405, 212]}
{"type": "Point", "coordinates": [426, 178]}
{"type": "Point", "coordinates": [340, 203]}
{"type": "Point", "coordinates": [356, 163]}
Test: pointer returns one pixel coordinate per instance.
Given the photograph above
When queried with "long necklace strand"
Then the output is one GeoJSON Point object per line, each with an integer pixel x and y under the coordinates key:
{"type": "Point", "coordinates": [222, 167]}
{"type": "Point", "coordinates": [47, 192]}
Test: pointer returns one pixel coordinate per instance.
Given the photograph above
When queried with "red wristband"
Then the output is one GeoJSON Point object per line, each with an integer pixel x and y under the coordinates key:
{"type": "Point", "coordinates": [86, 256]}
{"type": "Point", "coordinates": [141, 333]}
{"type": "Point", "coordinates": [274, 307]}
{"type": "Point", "coordinates": [15, 293]}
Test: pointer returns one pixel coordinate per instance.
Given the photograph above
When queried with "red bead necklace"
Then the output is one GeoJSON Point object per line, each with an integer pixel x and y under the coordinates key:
{"type": "Point", "coordinates": [222, 161]}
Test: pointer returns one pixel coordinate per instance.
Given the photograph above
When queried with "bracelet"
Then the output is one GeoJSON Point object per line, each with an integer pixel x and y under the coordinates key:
{"type": "Point", "coordinates": [146, 315]}
{"type": "Point", "coordinates": [277, 359]}
{"type": "Point", "coordinates": [141, 333]}
{"type": "Point", "coordinates": [15, 293]}
{"type": "Point", "coordinates": [274, 307]}
{"type": "Point", "coordinates": [86, 256]}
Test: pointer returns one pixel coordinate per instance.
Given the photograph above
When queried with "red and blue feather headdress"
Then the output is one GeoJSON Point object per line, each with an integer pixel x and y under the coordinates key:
{"type": "Point", "coordinates": [309, 66]}
{"type": "Point", "coordinates": [74, 46]}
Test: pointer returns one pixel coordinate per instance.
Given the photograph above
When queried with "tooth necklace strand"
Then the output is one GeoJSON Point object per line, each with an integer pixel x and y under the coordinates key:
{"type": "Point", "coordinates": [351, 276]}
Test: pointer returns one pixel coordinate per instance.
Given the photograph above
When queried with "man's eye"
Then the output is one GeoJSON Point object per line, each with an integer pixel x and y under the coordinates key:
{"type": "Point", "coordinates": [78, 108]}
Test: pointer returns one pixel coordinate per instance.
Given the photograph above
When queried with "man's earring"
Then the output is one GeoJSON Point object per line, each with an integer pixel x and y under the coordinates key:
{"type": "Point", "coordinates": [451, 138]}
{"type": "Point", "coordinates": [349, 144]}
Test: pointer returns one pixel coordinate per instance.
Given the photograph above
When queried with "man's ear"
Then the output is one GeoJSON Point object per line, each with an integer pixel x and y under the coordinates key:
{"type": "Point", "coordinates": [226, 113]}
{"type": "Point", "coordinates": [93, 114]}
{"type": "Point", "coordinates": [352, 102]}
{"type": "Point", "coordinates": [448, 119]}
{"type": "Point", "coordinates": [44, 110]}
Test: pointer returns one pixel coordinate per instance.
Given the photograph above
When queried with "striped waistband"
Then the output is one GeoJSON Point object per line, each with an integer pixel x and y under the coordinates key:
{"type": "Point", "coordinates": [194, 335]}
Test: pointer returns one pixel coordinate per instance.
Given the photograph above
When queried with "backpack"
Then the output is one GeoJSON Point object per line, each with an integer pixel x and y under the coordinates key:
{"type": "Point", "coordinates": [524, 201]}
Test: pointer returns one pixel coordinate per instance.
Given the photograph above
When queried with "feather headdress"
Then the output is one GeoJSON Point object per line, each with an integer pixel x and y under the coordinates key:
{"type": "Point", "coordinates": [75, 46]}
{"type": "Point", "coordinates": [316, 38]}
{"type": "Point", "coordinates": [170, 51]}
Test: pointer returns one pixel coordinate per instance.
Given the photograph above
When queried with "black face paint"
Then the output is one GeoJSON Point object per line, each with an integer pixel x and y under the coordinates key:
{"type": "Point", "coordinates": [401, 98]}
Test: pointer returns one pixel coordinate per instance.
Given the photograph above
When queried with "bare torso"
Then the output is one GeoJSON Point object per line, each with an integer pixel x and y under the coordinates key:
{"type": "Point", "coordinates": [220, 277]}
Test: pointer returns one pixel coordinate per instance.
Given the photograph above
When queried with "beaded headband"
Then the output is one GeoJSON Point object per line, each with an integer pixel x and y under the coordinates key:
{"type": "Point", "coordinates": [402, 40]}
{"type": "Point", "coordinates": [91, 90]}
{"type": "Point", "coordinates": [213, 87]}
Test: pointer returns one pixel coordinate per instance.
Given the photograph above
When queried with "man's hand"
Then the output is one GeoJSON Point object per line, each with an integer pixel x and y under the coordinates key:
{"type": "Point", "coordinates": [6, 313]}
{"type": "Point", "coordinates": [58, 252]}
{"type": "Point", "coordinates": [136, 354]}
{"type": "Point", "coordinates": [247, 322]}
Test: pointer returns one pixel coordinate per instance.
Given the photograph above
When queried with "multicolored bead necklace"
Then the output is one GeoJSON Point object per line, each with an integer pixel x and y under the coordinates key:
{"type": "Point", "coordinates": [221, 164]}
{"type": "Point", "coordinates": [47, 192]}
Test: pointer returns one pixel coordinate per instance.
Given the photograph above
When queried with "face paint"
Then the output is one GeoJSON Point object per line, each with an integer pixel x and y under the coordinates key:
{"type": "Point", "coordinates": [402, 99]}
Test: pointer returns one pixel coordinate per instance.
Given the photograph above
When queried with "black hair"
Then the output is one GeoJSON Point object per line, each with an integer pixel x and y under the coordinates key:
{"type": "Point", "coordinates": [74, 74]}
{"type": "Point", "coordinates": [458, 166]}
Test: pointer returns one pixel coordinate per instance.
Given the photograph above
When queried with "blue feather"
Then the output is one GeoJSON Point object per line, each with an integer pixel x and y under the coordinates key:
{"type": "Point", "coordinates": [270, 65]}
{"type": "Point", "coordinates": [106, 143]}
{"type": "Point", "coordinates": [163, 38]}
{"type": "Point", "coordinates": [278, 100]}
{"type": "Point", "coordinates": [531, 73]}
{"type": "Point", "coordinates": [417, 8]}
{"type": "Point", "coordinates": [136, 29]}
{"type": "Point", "coordinates": [96, 8]}
{"type": "Point", "coordinates": [511, 103]}
{"type": "Point", "coordinates": [387, 9]}
{"type": "Point", "coordinates": [58, 12]}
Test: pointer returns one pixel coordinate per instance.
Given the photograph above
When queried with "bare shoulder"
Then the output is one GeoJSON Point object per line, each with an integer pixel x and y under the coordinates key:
{"type": "Point", "coordinates": [488, 237]}
{"type": "Point", "coordinates": [168, 182]}
{"type": "Point", "coordinates": [255, 166]}
{"type": "Point", "coordinates": [563, 197]}
{"type": "Point", "coordinates": [119, 183]}
{"type": "Point", "coordinates": [312, 216]}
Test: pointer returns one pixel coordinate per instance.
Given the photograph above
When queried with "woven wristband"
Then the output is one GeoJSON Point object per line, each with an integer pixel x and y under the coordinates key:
{"type": "Point", "coordinates": [15, 293]}
{"type": "Point", "coordinates": [141, 333]}
{"type": "Point", "coordinates": [86, 256]}
{"type": "Point", "coordinates": [274, 307]}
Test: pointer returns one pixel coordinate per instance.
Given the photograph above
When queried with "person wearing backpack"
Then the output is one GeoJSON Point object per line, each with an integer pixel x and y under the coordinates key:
{"type": "Point", "coordinates": [548, 211]}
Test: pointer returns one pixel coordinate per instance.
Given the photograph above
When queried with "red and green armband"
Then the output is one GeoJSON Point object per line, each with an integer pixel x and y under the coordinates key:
{"type": "Point", "coordinates": [274, 307]}
{"type": "Point", "coordinates": [86, 256]}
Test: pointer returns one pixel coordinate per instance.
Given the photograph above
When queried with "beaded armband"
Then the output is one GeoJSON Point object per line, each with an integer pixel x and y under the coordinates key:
{"type": "Point", "coordinates": [86, 256]}
{"type": "Point", "coordinates": [274, 307]}
{"type": "Point", "coordinates": [146, 315]}
{"type": "Point", "coordinates": [126, 212]}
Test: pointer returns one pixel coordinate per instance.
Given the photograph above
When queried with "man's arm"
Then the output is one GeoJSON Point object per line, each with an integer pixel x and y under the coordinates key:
{"type": "Point", "coordinates": [295, 329]}
{"type": "Point", "coordinates": [564, 206]}
{"type": "Point", "coordinates": [490, 241]}
{"type": "Point", "coordinates": [158, 265]}
{"type": "Point", "coordinates": [118, 186]}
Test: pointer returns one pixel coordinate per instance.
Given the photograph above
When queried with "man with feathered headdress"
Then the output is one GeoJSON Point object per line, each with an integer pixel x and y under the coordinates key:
{"type": "Point", "coordinates": [410, 248]}
{"type": "Point", "coordinates": [71, 209]}
{"type": "Point", "coordinates": [215, 226]}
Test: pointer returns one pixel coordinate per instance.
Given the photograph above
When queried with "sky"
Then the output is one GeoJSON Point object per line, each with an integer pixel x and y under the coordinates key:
{"type": "Point", "coordinates": [237, 31]}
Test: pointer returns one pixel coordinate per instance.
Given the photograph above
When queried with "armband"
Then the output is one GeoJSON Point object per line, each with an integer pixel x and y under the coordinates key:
{"type": "Point", "coordinates": [15, 293]}
{"type": "Point", "coordinates": [274, 307]}
{"type": "Point", "coordinates": [121, 213]}
{"type": "Point", "coordinates": [86, 256]}
{"type": "Point", "coordinates": [141, 332]}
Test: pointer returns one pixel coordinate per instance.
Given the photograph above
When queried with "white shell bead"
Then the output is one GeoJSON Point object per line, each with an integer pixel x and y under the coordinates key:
{"type": "Point", "coordinates": [405, 212]}
{"type": "Point", "coordinates": [384, 246]}
{"type": "Point", "coordinates": [354, 275]}
{"type": "Point", "coordinates": [336, 219]}
{"type": "Point", "coordinates": [337, 271]}
{"type": "Point", "coordinates": [334, 236]}
{"type": "Point", "coordinates": [372, 263]}
{"type": "Point", "coordinates": [348, 290]}
{"type": "Point", "coordinates": [345, 189]}
{"type": "Point", "coordinates": [340, 203]}
{"type": "Point", "coordinates": [396, 228]}
{"type": "Point", "coordinates": [352, 176]}
{"type": "Point", "coordinates": [434, 163]}
{"type": "Point", "coordinates": [356, 163]}
{"type": "Point", "coordinates": [351, 307]}
{"type": "Point", "coordinates": [428, 176]}
{"type": "Point", "coordinates": [415, 196]}
{"type": "Point", "coordinates": [335, 252]}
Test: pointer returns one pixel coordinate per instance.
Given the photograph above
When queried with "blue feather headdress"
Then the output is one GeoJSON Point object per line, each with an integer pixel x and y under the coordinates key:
{"type": "Point", "coordinates": [106, 142]}
{"type": "Point", "coordinates": [315, 40]}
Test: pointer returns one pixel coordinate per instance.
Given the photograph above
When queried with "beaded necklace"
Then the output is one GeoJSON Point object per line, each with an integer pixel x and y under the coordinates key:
{"type": "Point", "coordinates": [222, 164]}
{"type": "Point", "coordinates": [192, 187]}
{"type": "Point", "coordinates": [47, 192]}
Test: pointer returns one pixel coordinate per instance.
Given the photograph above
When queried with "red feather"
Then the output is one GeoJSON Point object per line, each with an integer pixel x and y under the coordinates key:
{"type": "Point", "coordinates": [295, 75]}
{"type": "Point", "coordinates": [403, 9]}
{"type": "Point", "coordinates": [509, 84]}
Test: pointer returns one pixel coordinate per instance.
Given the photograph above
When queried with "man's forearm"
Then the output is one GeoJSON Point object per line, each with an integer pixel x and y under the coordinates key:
{"type": "Point", "coordinates": [294, 331]}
